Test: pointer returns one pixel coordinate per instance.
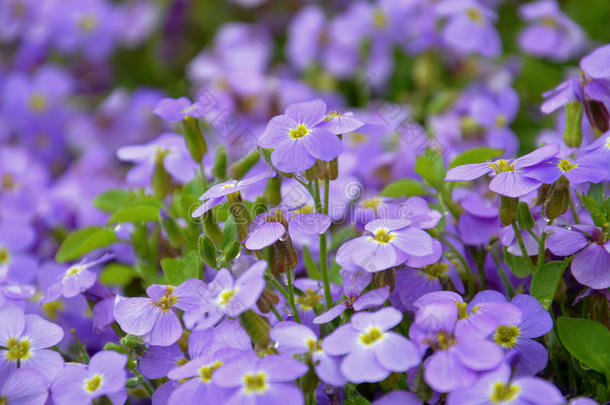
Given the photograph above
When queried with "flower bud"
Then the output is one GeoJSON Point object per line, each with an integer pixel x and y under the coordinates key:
{"type": "Point", "coordinates": [161, 182]}
{"type": "Point", "coordinates": [508, 209]}
{"type": "Point", "coordinates": [241, 215]}
{"type": "Point", "coordinates": [194, 139]}
{"type": "Point", "coordinates": [256, 327]}
{"type": "Point", "coordinates": [239, 169]}
{"type": "Point", "coordinates": [132, 382]}
{"type": "Point", "coordinates": [134, 343]}
{"type": "Point", "coordinates": [219, 170]}
{"type": "Point", "coordinates": [524, 216]}
{"type": "Point", "coordinates": [206, 251]}
{"type": "Point", "coordinates": [558, 200]}
{"type": "Point", "coordinates": [598, 115]}
{"type": "Point", "coordinates": [572, 134]}
{"type": "Point", "coordinates": [267, 300]}
{"type": "Point", "coordinates": [273, 191]}
{"type": "Point", "coordinates": [332, 169]}
{"type": "Point", "coordinates": [385, 277]}
{"type": "Point", "coordinates": [115, 347]}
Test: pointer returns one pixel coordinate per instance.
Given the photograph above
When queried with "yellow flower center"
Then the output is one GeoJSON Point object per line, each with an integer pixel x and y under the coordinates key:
{"type": "Point", "coordinates": [445, 340]}
{"type": "Point", "coordinates": [18, 349]}
{"type": "Point", "coordinates": [371, 203]}
{"type": "Point", "coordinates": [504, 392]}
{"type": "Point", "coordinates": [7, 182]}
{"type": "Point", "coordinates": [226, 296]}
{"type": "Point", "coordinates": [93, 383]}
{"type": "Point", "coordinates": [502, 166]}
{"type": "Point", "coordinates": [38, 102]}
{"type": "Point", "coordinates": [305, 209]}
{"type": "Point", "coordinates": [462, 311]}
{"type": "Point", "coordinates": [380, 19]}
{"type": "Point", "coordinates": [160, 154]}
{"type": "Point", "coordinates": [73, 271]}
{"type": "Point", "coordinates": [373, 335]}
{"type": "Point", "coordinates": [436, 270]}
{"type": "Point", "coordinates": [51, 309]}
{"type": "Point", "coordinates": [205, 372]}
{"type": "Point", "coordinates": [275, 216]}
{"type": "Point", "coordinates": [5, 256]}
{"type": "Point", "coordinates": [300, 131]}
{"type": "Point", "coordinates": [333, 114]}
{"type": "Point", "coordinates": [3, 400]}
{"type": "Point", "coordinates": [501, 120]}
{"type": "Point", "coordinates": [167, 301]}
{"type": "Point", "coordinates": [255, 383]}
{"type": "Point", "coordinates": [309, 300]}
{"type": "Point", "coordinates": [565, 165]}
{"type": "Point", "coordinates": [549, 21]}
{"type": "Point", "coordinates": [88, 23]}
{"type": "Point", "coordinates": [475, 15]}
{"type": "Point", "coordinates": [314, 345]}
{"type": "Point", "coordinates": [382, 236]}
{"type": "Point", "coordinates": [608, 143]}
{"type": "Point", "coordinates": [506, 336]}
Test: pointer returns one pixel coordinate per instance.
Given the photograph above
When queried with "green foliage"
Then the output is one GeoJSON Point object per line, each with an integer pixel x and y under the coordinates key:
{"type": "Point", "coordinates": [518, 265]}
{"type": "Point", "coordinates": [403, 188]}
{"type": "Point", "coordinates": [178, 270]}
{"type": "Point", "coordinates": [117, 274]}
{"type": "Point", "coordinates": [430, 167]}
{"type": "Point", "coordinates": [136, 213]}
{"type": "Point", "coordinates": [84, 241]}
{"type": "Point", "coordinates": [586, 340]}
{"type": "Point", "coordinates": [545, 282]}
{"type": "Point", "coordinates": [476, 155]}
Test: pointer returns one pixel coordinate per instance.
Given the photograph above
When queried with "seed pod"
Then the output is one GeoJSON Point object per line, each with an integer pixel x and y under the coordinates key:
{"type": "Point", "coordinates": [558, 200]}
{"type": "Point", "coordinates": [572, 134]}
{"type": "Point", "coordinates": [207, 251]}
{"type": "Point", "coordinates": [256, 327]}
{"type": "Point", "coordinates": [524, 216]}
{"type": "Point", "coordinates": [240, 214]}
{"type": "Point", "coordinates": [332, 169]}
{"type": "Point", "coordinates": [598, 115]}
{"type": "Point", "coordinates": [160, 182]}
{"type": "Point", "coordinates": [273, 191]}
{"type": "Point", "coordinates": [508, 209]}
{"type": "Point", "coordinates": [279, 258]}
{"type": "Point", "coordinates": [385, 277]}
{"type": "Point", "coordinates": [194, 139]}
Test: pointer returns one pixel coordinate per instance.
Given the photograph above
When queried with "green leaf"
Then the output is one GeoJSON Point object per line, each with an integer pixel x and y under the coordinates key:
{"type": "Point", "coordinates": [403, 188]}
{"type": "Point", "coordinates": [586, 340]}
{"type": "Point", "coordinates": [118, 274]}
{"type": "Point", "coordinates": [476, 155]}
{"type": "Point", "coordinates": [136, 213]}
{"type": "Point", "coordinates": [545, 282]}
{"type": "Point", "coordinates": [179, 270]}
{"type": "Point", "coordinates": [112, 200]}
{"type": "Point", "coordinates": [310, 265]}
{"type": "Point", "coordinates": [598, 216]}
{"type": "Point", "coordinates": [430, 167]}
{"type": "Point", "coordinates": [229, 232]}
{"type": "Point", "coordinates": [518, 265]}
{"type": "Point", "coordinates": [84, 241]}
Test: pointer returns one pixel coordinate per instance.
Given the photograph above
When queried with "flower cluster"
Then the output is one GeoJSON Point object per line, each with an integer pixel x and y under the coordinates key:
{"type": "Point", "coordinates": [253, 202]}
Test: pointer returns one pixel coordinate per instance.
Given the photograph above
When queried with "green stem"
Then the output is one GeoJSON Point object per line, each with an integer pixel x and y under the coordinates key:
{"type": "Point", "coordinates": [467, 269]}
{"type": "Point", "coordinates": [542, 249]}
{"type": "Point", "coordinates": [81, 348]}
{"type": "Point", "coordinates": [522, 245]}
{"type": "Point", "coordinates": [204, 181]}
{"type": "Point", "coordinates": [145, 382]}
{"type": "Point", "coordinates": [295, 313]}
{"type": "Point", "coordinates": [510, 290]}
{"type": "Point", "coordinates": [573, 210]}
{"type": "Point", "coordinates": [323, 241]}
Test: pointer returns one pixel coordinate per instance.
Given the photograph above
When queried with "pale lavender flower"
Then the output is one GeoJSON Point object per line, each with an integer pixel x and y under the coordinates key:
{"type": "Point", "coordinates": [23, 386]}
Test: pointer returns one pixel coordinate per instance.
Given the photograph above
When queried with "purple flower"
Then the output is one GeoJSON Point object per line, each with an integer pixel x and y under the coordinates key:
{"type": "Point", "coordinates": [23, 387]}
{"type": "Point", "coordinates": [159, 360]}
{"type": "Point", "coordinates": [154, 318]}
{"type": "Point", "coordinates": [269, 227]}
{"type": "Point", "coordinates": [298, 137]}
{"type": "Point", "coordinates": [168, 149]}
{"type": "Point", "coordinates": [225, 296]}
{"type": "Point", "coordinates": [510, 177]}
{"type": "Point", "coordinates": [470, 27]}
{"type": "Point", "coordinates": [354, 283]}
{"type": "Point", "coordinates": [171, 109]}
{"type": "Point", "coordinates": [457, 335]}
{"type": "Point", "coordinates": [293, 338]}
{"type": "Point", "coordinates": [74, 280]}
{"type": "Point", "coordinates": [196, 379]}
{"type": "Point", "coordinates": [79, 384]}
{"type": "Point", "coordinates": [16, 237]}
{"type": "Point", "coordinates": [552, 35]}
{"type": "Point", "coordinates": [340, 123]}
{"type": "Point", "coordinates": [371, 351]}
{"type": "Point", "coordinates": [497, 387]}
{"type": "Point", "coordinates": [597, 63]}
{"type": "Point", "coordinates": [517, 338]}
{"type": "Point", "coordinates": [25, 339]}
{"type": "Point", "coordinates": [591, 263]}
{"type": "Point", "coordinates": [388, 244]}
{"type": "Point", "coordinates": [311, 300]}
{"type": "Point", "coordinates": [479, 222]}
{"type": "Point", "coordinates": [215, 194]}
{"type": "Point", "coordinates": [261, 381]}
{"type": "Point", "coordinates": [398, 398]}
{"type": "Point", "coordinates": [577, 171]}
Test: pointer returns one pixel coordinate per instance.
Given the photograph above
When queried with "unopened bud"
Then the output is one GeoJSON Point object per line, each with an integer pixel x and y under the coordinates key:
{"type": "Point", "coordinates": [558, 200]}
{"type": "Point", "coordinates": [219, 170]}
{"type": "Point", "coordinates": [115, 348]}
{"type": "Point", "coordinates": [134, 343]}
{"type": "Point", "coordinates": [194, 139]}
{"type": "Point", "coordinates": [332, 169]}
{"type": "Point", "coordinates": [524, 216]}
{"type": "Point", "coordinates": [161, 182]}
{"type": "Point", "coordinates": [240, 214]}
{"type": "Point", "coordinates": [273, 191]}
{"type": "Point", "coordinates": [508, 209]}
{"type": "Point", "coordinates": [240, 168]}
{"type": "Point", "coordinates": [211, 228]}
{"type": "Point", "coordinates": [572, 134]}
{"type": "Point", "coordinates": [132, 382]}
{"type": "Point", "coordinates": [256, 327]}
{"type": "Point", "coordinates": [385, 277]}
{"type": "Point", "coordinates": [598, 116]}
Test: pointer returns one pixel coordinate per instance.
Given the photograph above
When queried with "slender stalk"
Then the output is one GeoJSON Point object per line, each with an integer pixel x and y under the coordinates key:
{"type": "Point", "coordinates": [467, 269]}
{"type": "Point", "coordinates": [295, 313]}
{"type": "Point", "coordinates": [145, 382]}
{"type": "Point", "coordinates": [323, 242]}
{"type": "Point", "coordinates": [573, 210]}
{"type": "Point", "coordinates": [81, 348]}
{"type": "Point", "coordinates": [522, 245]}
{"type": "Point", "coordinates": [510, 290]}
